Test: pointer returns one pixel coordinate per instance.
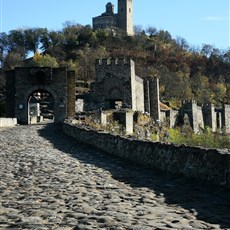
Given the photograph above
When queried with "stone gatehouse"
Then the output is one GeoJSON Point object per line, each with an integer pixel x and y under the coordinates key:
{"type": "Point", "coordinates": [117, 85]}
{"type": "Point", "coordinates": [37, 93]}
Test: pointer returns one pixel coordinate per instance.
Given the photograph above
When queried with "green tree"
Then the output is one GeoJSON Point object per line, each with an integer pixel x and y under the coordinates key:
{"type": "Point", "coordinates": [44, 60]}
{"type": "Point", "coordinates": [151, 31]}
{"type": "Point", "coordinates": [33, 38]}
{"type": "Point", "coordinates": [86, 62]}
{"type": "Point", "coordinates": [220, 90]}
{"type": "Point", "coordinates": [52, 43]}
{"type": "Point", "coordinates": [16, 43]}
{"type": "Point", "coordinates": [12, 60]}
{"type": "Point", "coordinates": [182, 43]}
{"type": "Point", "coordinates": [4, 42]}
{"type": "Point", "coordinates": [71, 39]}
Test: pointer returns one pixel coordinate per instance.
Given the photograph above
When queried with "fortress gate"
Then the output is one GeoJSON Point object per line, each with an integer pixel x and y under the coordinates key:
{"type": "Point", "coordinates": [39, 93]}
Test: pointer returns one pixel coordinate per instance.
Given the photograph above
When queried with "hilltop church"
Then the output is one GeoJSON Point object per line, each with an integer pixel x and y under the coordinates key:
{"type": "Point", "coordinates": [122, 20]}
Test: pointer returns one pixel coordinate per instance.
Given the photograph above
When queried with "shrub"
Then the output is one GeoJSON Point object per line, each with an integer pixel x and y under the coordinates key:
{"type": "Point", "coordinates": [207, 139]}
{"type": "Point", "coordinates": [44, 60]}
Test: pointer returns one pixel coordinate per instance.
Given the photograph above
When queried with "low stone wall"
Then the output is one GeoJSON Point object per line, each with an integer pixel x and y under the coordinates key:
{"type": "Point", "coordinates": [8, 122]}
{"type": "Point", "coordinates": [210, 165]}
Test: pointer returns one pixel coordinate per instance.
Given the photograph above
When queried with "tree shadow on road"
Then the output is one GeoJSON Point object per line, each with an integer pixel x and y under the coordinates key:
{"type": "Point", "coordinates": [208, 203]}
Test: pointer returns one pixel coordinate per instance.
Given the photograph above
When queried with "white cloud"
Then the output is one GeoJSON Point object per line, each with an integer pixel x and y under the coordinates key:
{"type": "Point", "coordinates": [215, 18]}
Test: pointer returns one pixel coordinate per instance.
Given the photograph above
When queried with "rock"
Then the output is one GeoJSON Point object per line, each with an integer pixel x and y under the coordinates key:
{"type": "Point", "coordinates": [49, 181]}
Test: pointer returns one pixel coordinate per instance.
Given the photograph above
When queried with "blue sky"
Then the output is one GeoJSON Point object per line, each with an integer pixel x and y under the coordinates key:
{"type": "Point", "coordinates": [198, 21]}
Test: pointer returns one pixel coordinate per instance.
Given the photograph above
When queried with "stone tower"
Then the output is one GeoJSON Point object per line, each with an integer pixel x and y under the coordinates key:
{"type": "Point", "coordinates": [152, 97]}
{"type": "Point", "coordinates": [125, 16]}
{"type": "Point", "coordinates": [122, 20]}
{"type": "Point", "coordinates": [117, 85]}
{"type": "Point", "coordinates": [109, 8]}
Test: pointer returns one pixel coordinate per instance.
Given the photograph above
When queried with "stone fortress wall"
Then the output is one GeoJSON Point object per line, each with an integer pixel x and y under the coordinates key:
{"type": "Point", "coordinates": [206, 115]}
{"type": "Point", "coordinates": [210, 165]}
{"type": "Point", "coordinates": [7, 122]}
{"type": "Point", "coordinates": [117, 86]}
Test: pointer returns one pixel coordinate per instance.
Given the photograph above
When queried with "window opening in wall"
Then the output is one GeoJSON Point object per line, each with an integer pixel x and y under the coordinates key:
{"type": "Point", "coordinates": [115, 103]}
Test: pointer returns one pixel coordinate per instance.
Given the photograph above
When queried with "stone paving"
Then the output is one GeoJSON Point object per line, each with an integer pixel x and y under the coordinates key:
{"type": "Point", "coordinates": [50, 181]}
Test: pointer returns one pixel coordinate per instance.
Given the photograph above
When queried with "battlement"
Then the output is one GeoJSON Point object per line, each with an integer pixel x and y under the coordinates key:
{"type": "Point", "coordinates": [112, 61]}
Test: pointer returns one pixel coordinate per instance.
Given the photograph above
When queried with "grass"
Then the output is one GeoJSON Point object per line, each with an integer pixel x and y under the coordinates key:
{"type": "Point", "coordinates": [207, 139]}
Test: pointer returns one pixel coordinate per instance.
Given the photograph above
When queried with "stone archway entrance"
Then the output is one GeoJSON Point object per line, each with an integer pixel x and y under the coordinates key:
{"type": "Point", "coordinates": [38, 93]}
{"type": "Point", "coordinates": [114, 98]}
{"type": "Point", "coordinates": [40, 107]}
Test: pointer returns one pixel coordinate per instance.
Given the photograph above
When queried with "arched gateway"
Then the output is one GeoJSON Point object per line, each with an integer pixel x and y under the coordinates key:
{"type": "Point", "coordinates": [40, 93]}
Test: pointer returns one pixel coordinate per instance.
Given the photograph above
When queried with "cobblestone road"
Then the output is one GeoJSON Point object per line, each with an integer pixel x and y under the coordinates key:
{"type": "Point", "coordinates": [49, 181]}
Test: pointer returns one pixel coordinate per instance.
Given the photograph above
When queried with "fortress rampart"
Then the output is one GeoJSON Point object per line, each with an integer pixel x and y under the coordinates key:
{"type": "Point", "coordinates": [210, 165]}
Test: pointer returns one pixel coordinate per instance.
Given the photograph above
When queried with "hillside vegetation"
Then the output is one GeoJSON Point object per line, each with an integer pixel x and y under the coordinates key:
{"type": "Point", "coordinates": [185, 72]}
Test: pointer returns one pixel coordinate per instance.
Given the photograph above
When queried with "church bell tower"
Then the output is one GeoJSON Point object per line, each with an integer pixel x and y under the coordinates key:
{"type": "Point", "coordinates": [125, 16]}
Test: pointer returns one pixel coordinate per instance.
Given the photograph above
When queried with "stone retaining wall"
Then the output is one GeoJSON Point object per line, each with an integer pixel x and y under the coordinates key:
{"type": "Point", "coordinates": [210, 165]}
{"type": "Point", "coordinates": [8, 122]}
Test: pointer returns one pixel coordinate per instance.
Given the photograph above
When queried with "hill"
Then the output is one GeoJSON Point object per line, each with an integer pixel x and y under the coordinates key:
{"type": "Point", "coordinates": [185, 72]}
